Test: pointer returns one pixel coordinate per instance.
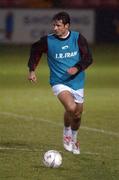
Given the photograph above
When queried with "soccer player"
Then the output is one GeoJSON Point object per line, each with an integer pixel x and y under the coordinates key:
{"type": "Point", "coordinates": [68, 55]}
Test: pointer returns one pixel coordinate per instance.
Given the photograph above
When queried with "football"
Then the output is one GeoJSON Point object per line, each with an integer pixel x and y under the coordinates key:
{"type": "Point", "coordinates": [52, 159]}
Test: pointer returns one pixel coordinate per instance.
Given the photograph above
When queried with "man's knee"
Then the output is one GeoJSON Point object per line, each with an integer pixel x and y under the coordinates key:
{"type": "Point", "coordinates": [71, 108]}
{"type": "Point", "coordinates": [74, 111]}
{"type": "Point", "coordinates": [77, 114]}
{"type": "Point", "coordinates": [79, 110]}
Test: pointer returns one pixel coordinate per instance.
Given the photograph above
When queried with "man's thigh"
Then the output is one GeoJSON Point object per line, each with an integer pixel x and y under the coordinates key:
{"type": "Point", "coordinates": [66, 99]}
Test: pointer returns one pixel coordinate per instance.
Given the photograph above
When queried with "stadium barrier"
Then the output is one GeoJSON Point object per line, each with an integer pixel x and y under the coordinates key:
{"type": "Point", "coordinates": [21, 26]}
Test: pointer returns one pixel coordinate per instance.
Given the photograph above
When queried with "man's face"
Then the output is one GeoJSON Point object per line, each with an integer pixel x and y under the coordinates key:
{"type": "Point", "coordinates": [59, 28]}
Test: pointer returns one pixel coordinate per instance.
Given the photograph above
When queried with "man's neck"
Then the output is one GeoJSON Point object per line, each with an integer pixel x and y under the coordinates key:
{"type": "Point", "coordinates": [66, 35]}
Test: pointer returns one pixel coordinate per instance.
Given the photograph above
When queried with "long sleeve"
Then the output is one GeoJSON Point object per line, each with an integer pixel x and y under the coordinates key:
{"type": "Point", "coordinates": [37, 49]}
{"type": "Point", "coordinates": [86, 56]}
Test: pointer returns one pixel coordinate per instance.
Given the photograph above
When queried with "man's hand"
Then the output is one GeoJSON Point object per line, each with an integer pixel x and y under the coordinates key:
{"type": "Point", "coordinates": [32, 76]}
{"type": "Point", "coordinates": [72, 70]}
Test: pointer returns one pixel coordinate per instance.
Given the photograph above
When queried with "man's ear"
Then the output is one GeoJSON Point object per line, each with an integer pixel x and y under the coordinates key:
{"type": "Point", "coordinates": [67, 25]}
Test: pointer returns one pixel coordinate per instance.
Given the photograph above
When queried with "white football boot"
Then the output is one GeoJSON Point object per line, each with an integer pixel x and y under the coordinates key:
{"type": "Point", "coordinates": [75, 148]}
{"type": "Point", "coordinates": [67, 140]}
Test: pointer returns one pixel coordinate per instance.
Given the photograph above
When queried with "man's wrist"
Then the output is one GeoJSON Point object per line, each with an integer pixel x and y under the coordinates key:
{"type": "Point", "coordinates": [78, 67]}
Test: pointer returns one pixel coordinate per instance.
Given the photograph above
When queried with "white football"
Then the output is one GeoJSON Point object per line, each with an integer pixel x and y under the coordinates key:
{"type": "Point", "coordinates": [52, 158]}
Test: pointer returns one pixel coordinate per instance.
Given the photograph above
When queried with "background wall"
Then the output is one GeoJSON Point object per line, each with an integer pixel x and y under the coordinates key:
{"type": "Point", "coordinates": [24, 21]}
{"type": "Point", "coordinates": [27, 26]}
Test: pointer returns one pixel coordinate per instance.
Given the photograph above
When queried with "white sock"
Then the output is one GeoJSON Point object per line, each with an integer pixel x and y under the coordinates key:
{"type": "Point", "coordinates": [67, 131]}
{"type": "Point", "coordinates": [74, 135]}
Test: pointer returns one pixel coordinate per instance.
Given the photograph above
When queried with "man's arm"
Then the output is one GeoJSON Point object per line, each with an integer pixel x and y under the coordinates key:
{"type": "Point", "coordinates": [86, 57]}
{"type": "Point", "coordinates": [37, 49]}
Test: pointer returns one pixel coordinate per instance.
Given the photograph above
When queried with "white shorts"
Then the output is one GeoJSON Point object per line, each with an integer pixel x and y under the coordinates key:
{"type": "Point", "coordinates": [77, 94]}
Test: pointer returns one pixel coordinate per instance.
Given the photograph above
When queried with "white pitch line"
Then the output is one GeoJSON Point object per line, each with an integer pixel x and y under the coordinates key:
{"type": "Point", "coordinates": [27, 118]}
{"type": "Point", "coordinates": [101, 131]}
{"type": "Point", "coordinates": [15, 148]}
{"type": "Point", "coordinates": [37, 150]}
{"type": "Point", "coordinates": [89, 153]}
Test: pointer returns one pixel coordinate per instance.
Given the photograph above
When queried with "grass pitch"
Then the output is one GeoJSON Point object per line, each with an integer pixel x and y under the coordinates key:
{"type": "Point", "coordinates": [31, 120]}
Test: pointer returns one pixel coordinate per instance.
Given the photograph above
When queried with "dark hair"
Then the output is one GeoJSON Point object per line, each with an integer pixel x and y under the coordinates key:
{"type": "Point", "coordinates": [64, 16]}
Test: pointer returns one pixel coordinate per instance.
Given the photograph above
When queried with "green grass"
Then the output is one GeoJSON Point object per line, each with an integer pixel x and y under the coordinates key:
{"type": "Point", "coordinates": [31, 120]}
